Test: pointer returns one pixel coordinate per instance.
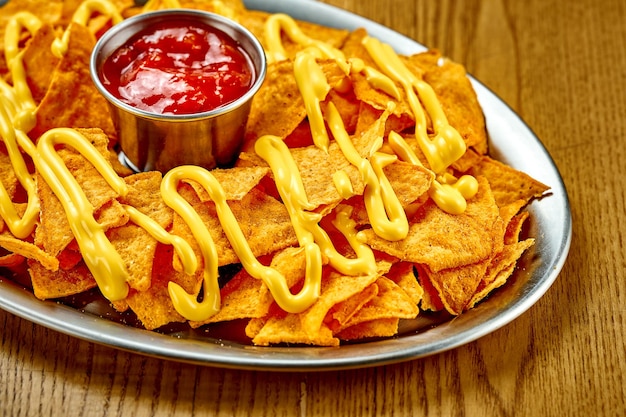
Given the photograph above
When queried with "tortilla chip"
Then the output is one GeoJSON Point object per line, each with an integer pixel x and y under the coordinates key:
{"type": "Point", "coordinates": [342, 312]}
{"type": "Point", "coordinates": [290, 329]}
{"type": "Point", "coordinates": [11, 260]}
{"type": "Point", "coordinates": [153, 307]}
{"type": "Point", "coordinates": [430, 298]}
{"type": "Point", "coordinates": [49, 284]}
{"type": "Point", "coordinates": [236, 182]}
{"type": "Point", "coordinates": [277, 108]}
{"type": "Point", "coordinates": [240, 300]}
{"type": "Point", "coordinates": [144, 194]}
{"type": "Point", "coordinates": [71, 91]}
{"type": "Point", "coordinates": [291, 263]}
{"type": "Point", "coordinates": [499, 270]}
{"type": "Point", "coordinates": [40, 62]}
{"type": "Point", "coordinates": [8, 179]}
{"type": "Point", "coordinates": [336, 288]}
{"type": "Point", "coordinates": [404, 275]}
{"type": "Point", "coordinates": [28, 250]}
{"type": "Point", "coordinates": [514, 228]}
{"type": "Point", "coordinates": [353, 47]}
{"type": "Point", "coordinates": [309, 327]}
{"type": "Point", "coordinates": [457, 286]}
{"type": "Point", "coordinates": [508, 184]}
{"type": "Point", "coordinates": [264, 222]}
{"type": "Point", "coordinates": [385, 327]}
{"type": "Point", "coordinates": [47, 11]}
{"type": "Point", "coordinates": [390, 302]}
{"type": "Point", "coordinates": [137, 249]}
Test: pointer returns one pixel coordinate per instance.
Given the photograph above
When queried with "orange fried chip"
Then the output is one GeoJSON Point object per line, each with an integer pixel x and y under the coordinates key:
{"type": "Point", "coordinates": [514, 228]}
{"type": "Point", "coordinates": [241, 299]}
{"type": "Point", "coordinates": [264, 222]}
{"type": "Point", "coordinates": [390, 302]}
{"type": "Point", "coordinates": [28, 250]}
{"type": "Point", "coordinates": [236, 182]}
{"type": "Point", "coordinates": [353, 47]}
{"type": "Point", "coordinates": [71, 91]}
{"type": "Point", "coordinates": [385, 327]}
{"type": "Point", "coordinates": [508, 184]}
{"type": "Point", "coordinates": [247, 297]}
{"type": "Point", "coordinates": [291, 263]}
{"type": "Point", "coordinates": [342, 312]}
{"type": "Point", "coordinates": [336, 288]}
{"type": "Point", "coordinates": [404, 275]}
{"type": "Point", "coordinates": [500, 269]}
{"type": "Point", "coordinates": [11, 260]}
{"type": "Point", "coordinates": [144, 195]}
{"type": "Point", "coordinates": [7, 174]}
{"type": "Point", "coordinates": [456, 286]}
{"type": "Point", "coordinates": [46, 10]}
{"type": "Point", "coordinates": [49, 284]}
{"type": "Point", "coordinates": [430, 298]}
{"type": "Point", "coordinates": [278, 108]}
{"type": "Point", "coordinates": [137, 249]}
{"type": "Point", "coordinates": [290, 329]}
{"type": "Point", "coordinates": [310, 326]}
{"type": "Point", "coordinates": [153, 307]}
{"type": "Point", "coordinates": [40, 62]}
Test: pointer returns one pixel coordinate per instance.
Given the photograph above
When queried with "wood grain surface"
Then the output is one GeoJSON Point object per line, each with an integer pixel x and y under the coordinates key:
{"type": "Point", "coordinates": [562, 66]}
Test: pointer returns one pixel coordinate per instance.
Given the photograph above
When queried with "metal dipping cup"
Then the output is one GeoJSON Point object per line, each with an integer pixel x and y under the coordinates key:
{"type": "Point", "coordinates": [151, 141]}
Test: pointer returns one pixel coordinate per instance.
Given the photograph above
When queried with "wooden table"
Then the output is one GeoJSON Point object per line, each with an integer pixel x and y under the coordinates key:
{"type": "Point", "coordinates": [561, 66]}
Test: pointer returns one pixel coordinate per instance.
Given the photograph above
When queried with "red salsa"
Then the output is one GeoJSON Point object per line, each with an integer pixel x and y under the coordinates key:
{"type": "Point", "coordinates": [178, 66]}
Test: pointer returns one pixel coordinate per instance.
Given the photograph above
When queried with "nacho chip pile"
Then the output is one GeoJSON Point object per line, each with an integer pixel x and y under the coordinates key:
{"type": "Point", "coordinates": [421, 253]}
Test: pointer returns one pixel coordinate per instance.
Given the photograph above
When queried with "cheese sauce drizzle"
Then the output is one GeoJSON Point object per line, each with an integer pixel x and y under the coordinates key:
{"type": "Point", "coordinates": [313, 87]}
{"type": "Point", "coordinates": [446, 147]}
{"type": "Point", "coordinates": [23, 109]}
{"type": "Point", "coordinates": [104, 262]}
{"type": "Point", "coordinates": [383, 207]}
{"type": "Point", "coordinates": [81, 16]}
{"type": "Point", "coordinates": [17, 116]}
{"type": "Point", "coordinates": [306, 224]}
{"type": "Point", "coordinates": [187, 304]}
{"type": "Point", "coordinates": [20, 227]}
{"type": "Point", "coordinates": [279, 23]}
{"type": "Point", "coordinates": [388, 218]}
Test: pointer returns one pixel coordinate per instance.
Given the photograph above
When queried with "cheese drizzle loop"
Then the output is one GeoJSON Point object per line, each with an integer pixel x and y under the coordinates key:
{"type": "Point", "coordinates": [20, 227]}
{"type": "Point", "coordinates": [448, 145]}
{"type": "Point", "coordinates": [22, 111]}
{"type": "Point", "coordinates": [104, 262]}
{"type": "Point", "coordinates": [82, 15]}
{"type": "Point", "coordinates": [185, 304]}
{"type": "Point", "coordinates": [383, 207]}
{"type": "Point", "coordinates": [313, 87]}
{"type": "Point", "coordinates": [306, 224]}
{"type": "Point", "coordinates": [280, 22]}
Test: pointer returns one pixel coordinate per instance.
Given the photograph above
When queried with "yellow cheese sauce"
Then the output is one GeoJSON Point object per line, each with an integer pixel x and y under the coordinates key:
{"type": "Point", "coordinates": [386, 214]}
